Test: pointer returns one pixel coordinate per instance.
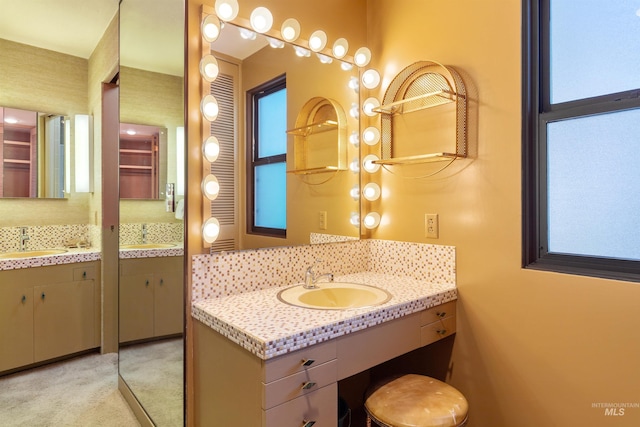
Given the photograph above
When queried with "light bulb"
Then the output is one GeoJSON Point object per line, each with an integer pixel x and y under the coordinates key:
{"type": "Point", "coordinates": [354, 219]}
{"type": "Point", "coordinates": [368, 105]}
{"type": "Point", "coordinates": [355, 192]}
{"type": "Point", "coordinates": [275, 43]}
{"type": "Point", "coordinates": [370, 79]}
{"type": "Point", "coordinates": [346, 66]}
{"type": "Point", "coordinates": [354, 83]}
{"type": "Point", "coordinates": [371, 135]}
{"type": "Point", "coordinates": [210, 230]}
{"type": "Point", "coordinates": [290, 30]}
{"type": "Point", "coordinates": [354, 166]}
{"type": "Point", "coordinates": [354, 138]}
{"type": "Point", "coordinates": [247, 34]}
{"type": "Point", "coordinates": [372, 220]}
{"type": "Point", "coordinates": [340, 48]}
{"type": "Point", "coordinates": [210, 187]}
{"type": "Point", "coordinates": [362, 57]}
{"type": "Point", "coordinates": [368, 165]}
{"type": "Point", "coordinates": [261, 19]}
{"type": "Point", "coordinates": [227, 10]}
{"type": "Point", "coordinates": [301, 52]}
{"type": "Point", "coordinates": [209, 108]}
{"type": "Point", "coordinates": [318, 40]}
{"type": "Point", "coordinates": [324, 59]}
{"type": "Point", "coordinates": [354, 111]}
{"type": "Point", "coordinates": [371, 191]}
{"type": "Point", "coordinates": [211, 149]}
{"type": "Point", "coordinates": [210, 28]}
{"type": "Point", "coordinates": [209, 68]}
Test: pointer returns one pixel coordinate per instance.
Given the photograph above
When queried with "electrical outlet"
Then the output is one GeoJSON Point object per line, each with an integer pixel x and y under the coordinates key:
{"type": "Point", "coordinates": [322, 220]}
{"type": "Point", "coordinates": [431, 225]}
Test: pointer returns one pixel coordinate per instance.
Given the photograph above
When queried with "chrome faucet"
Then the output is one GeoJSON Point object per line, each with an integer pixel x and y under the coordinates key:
{"type": "Point", "coordinates": [311, 279]}
{"type": "Point", "coordinates": [144, 233]}
{"type": "Point", "coordinates": [24, 236]}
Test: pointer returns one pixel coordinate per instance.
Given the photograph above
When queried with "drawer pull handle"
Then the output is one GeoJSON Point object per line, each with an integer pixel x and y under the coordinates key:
{"type": "Point", "coordinates": [441, 314]}
{"type": "Point", "coordinates": [146, 283]}
{"type": "Point", "coordinates": [308, 362]}
{"type": "Point", "coordinates": [24, 299]}
{"type": "Point", "coordinates": [308, 385]}
{"type": "Point", "coordinates": [441, 331]}
{"type": "Point", "coordinates": [306, 423]}
{"type": "Point", "coordinates": [84, 274]}
{"type": "Point", "coordinates": [161, 282]}
{"type": "Point", "coordinates": [42, 296]}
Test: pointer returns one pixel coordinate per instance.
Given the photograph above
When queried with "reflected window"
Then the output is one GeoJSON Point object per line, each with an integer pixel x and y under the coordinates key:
{"type": "Point", "coordinates": [267, 148]}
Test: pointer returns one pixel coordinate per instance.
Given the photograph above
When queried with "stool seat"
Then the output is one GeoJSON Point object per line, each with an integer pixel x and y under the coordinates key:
{"type": "Point", "coordinates": [417, 401]}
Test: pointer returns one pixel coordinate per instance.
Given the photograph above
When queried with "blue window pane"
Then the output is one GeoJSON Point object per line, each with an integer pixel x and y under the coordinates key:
{"type": "Point", "coordinates": [271, 196]}
{"type": "Point", "coordinates": [593, 191]}
{"type": "Point", "coordinates": [595, 48]}
{"type": "Point", "coordinates": [272, 124]}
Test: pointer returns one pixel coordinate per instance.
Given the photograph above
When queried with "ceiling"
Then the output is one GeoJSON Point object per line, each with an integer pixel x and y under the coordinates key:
{"type": "Point", "coordinates": [151, 37]}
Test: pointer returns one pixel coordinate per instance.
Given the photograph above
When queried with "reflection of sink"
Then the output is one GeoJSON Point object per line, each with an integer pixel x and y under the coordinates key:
{"type": "Point", "coordinates": [148, 246]}
{"type": "Point", "coordinates": [31, 254]}
{"type": "Point", "coordinates": [334, 296]}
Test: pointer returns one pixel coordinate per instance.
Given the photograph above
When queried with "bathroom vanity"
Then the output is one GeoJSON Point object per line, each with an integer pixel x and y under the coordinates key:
{"type": "Point", "coordinates": [48, 311]}
{"type": "Point", "coordinates": [261, 362]}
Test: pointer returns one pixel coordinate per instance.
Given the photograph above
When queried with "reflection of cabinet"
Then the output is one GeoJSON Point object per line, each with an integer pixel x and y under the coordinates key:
{"type": "Point", "coordinates": [235, 387]}
{"type": "Point", "coordinates": [139, 165]}
{"type": "Point", "coordinates": [151, 298]}
{"type": "Point", "coordinates": [319, 138]}
{"type": "Point", "coordinates": [18, 159]}
{"type": "Point", "coordinates": [48, 312]}
{"type": "Point", "coordinates": [423, 116]}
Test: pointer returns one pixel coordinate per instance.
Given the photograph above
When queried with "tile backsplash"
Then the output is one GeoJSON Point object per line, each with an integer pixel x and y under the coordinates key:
{"type": "Point", "coordinates": [45, 236]}
{"type": "Point", "coordinates": [157, 232]}
{"type": "Point", "coordinates": [224, 274]}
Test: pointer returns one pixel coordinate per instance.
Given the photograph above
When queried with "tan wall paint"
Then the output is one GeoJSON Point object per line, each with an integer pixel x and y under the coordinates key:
{"type": "Point", "coordinates": [532, 348]}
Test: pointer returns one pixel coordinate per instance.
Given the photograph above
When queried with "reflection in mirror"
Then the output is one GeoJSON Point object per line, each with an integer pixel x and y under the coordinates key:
{"type": "Point", "coordinates": [143, 161]}
{"type": "Point", "coordinates": [32, 153]}
{"type": "Point", "coordinates": [151, 279]}
{"type": "Point", "coordinates": [319, 203]}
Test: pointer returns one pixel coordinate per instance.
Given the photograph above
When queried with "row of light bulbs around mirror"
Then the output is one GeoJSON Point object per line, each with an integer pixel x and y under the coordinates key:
{"type": "Point", "coordinates": [261, 21]}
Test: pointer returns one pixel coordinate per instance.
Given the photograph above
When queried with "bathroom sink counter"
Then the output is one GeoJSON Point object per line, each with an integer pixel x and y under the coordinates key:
{"type": "Point", "coordinates": [267, 327]}
{"type": "Point", "coordinates": [176, 250]}
{"type": "Point", "coordinates": [72, 255]}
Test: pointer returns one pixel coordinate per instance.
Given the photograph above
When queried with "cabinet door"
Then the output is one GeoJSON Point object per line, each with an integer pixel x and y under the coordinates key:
{"type": "Point", "coordinates": [63, 317]}
{"type": "Point", "coordinates": [16, 325]}
{"type": "Point", "coordinates": [169, 303]}
{"type": "Point", "coordinates": [136, 307]}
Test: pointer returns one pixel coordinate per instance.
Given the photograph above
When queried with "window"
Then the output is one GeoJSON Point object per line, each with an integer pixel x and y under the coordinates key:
{"type": "Point", "coordinates": [267, 167]}
{"type": "Point", "coordinates": [581, 137]}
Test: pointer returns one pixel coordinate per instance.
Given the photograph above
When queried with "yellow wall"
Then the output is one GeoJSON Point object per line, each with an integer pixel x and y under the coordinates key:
{"type": "Point", "coordinates": [533, 348]}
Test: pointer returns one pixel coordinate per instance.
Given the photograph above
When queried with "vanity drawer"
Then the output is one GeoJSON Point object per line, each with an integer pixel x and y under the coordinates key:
{"type": "Point", "coordinates": [289, 364]}
{"type": "Point", "coordinates": [437, 330]}
{"type": "Point", "coordinates": [296, 385]}
{"type": "Point", "coordinates": [84, 273]}
{"type": "Point", "coordinates": [320, 406]}
{"type": "Point", "coordinates": [438, 312]}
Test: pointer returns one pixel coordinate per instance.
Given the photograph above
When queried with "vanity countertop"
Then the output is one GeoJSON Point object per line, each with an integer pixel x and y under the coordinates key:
{"type": "Point", "coordinates": [70, 256]}
{"type": "Point", "coordinates": [267, 327]}
{"type": "Point", "coordinates": [176, 250]}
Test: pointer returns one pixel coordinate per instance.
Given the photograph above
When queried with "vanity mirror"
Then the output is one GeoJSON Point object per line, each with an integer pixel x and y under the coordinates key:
{"type": "Point", "coordinates": [32, 153]}
{"type": "Point", "coordinates": [321, 165]}
{"type": "Point", "coordinates": [143, 161]}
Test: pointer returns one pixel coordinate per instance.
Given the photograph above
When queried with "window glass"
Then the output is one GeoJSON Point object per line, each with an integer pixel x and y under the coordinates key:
{"type": "Point", "coordinates": [272, 124]}
{"type": "Point", "coordinates": [594, 48]}
{"type": "Point", "coordinates": [271, 196]}
{"type": "Point", "coordinates": [593, 187]}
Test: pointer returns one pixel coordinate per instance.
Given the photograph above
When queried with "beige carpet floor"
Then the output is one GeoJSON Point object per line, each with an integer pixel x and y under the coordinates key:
{"type": "Point", "coordinates": [79, 392]}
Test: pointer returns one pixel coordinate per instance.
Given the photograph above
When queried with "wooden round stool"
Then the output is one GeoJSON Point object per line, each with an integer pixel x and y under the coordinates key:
{"type": "Point", "coordinates": [416, 401]}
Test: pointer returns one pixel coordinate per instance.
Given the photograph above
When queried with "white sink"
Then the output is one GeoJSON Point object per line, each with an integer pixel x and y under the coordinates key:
{"type": "Point", "coordinates": [31, 254]}
{"type": "Point", "coordinates": [334, 296]}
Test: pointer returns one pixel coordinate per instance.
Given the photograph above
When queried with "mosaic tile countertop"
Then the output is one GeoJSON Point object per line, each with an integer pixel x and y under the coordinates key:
{"type": "Point", "coordinates": [68, 257]}
{"type": "Point", "coordinates": [267, 327]}
{"type": "Point", "coordinates": [176, 250]}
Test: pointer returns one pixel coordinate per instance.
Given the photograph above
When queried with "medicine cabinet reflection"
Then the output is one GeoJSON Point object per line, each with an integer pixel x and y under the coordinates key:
{"type": "Point", "coordinates": [142, 161]}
